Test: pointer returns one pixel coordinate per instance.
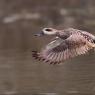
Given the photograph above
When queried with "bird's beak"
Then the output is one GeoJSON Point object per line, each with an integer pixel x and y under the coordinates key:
{"type": "Point", "coordinates": [39, 34]}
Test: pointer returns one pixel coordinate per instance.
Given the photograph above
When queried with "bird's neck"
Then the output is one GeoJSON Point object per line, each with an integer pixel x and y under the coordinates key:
{"type": "Point", "coordinates": [63, 35]}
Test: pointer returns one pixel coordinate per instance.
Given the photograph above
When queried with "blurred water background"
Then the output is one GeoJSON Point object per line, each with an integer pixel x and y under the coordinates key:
{"type": "Point", "coordinates": [20, 74]}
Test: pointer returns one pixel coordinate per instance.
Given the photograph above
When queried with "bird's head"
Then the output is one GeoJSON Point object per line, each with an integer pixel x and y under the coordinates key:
{"type": "Point", "coordinates": [47, 31]}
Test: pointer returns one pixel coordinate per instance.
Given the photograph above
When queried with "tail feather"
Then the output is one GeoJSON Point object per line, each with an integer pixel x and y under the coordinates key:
{"type": "Point", "coordinates": [91, 45]}
{"type": "Point", "coordinates": [94, 40]}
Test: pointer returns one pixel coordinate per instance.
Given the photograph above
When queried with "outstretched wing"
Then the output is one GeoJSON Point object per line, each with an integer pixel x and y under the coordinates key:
{"type": "Point", "coordinates": [59, 50]}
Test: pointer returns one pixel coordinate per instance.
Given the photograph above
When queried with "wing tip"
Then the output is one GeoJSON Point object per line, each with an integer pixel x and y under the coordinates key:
{"type": "Point", "coordinates": [36, 55]}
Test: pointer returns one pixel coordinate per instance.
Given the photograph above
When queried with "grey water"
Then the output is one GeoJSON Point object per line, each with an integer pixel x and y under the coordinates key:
{"type": "Point", "coordinates": [20, 74]}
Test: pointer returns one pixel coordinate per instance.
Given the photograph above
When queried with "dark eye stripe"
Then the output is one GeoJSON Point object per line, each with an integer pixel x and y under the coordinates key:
{"type": "Point", "coordinates": [49, 30]}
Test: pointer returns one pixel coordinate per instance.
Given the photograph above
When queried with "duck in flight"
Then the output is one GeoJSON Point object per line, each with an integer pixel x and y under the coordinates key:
{"type": "Point", "coordinates": [67, 43]}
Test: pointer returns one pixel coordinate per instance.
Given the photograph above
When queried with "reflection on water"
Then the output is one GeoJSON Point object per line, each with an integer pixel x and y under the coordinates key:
{"type": "Point", "coordinates": [20, 73]}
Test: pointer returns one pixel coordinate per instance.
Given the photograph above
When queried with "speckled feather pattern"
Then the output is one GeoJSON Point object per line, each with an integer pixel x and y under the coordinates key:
{"type": "Point", "coordinates": [57, 51]}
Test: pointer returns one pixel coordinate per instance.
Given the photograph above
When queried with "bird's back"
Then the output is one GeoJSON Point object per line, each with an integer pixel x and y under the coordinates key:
{"type": "Point", "coordinates": [85, 34]}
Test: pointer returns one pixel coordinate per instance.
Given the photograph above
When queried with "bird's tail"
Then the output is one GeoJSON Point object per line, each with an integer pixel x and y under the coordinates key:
{"type": "Point", "coordinates": [91, 44]}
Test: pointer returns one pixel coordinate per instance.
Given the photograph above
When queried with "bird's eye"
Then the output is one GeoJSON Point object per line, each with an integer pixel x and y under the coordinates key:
{"type": "Point", "coordinates": [49, 30]}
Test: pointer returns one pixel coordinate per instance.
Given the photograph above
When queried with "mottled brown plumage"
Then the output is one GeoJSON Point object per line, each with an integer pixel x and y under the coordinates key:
{"type": "Point", "coordinates": [67, 44]}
